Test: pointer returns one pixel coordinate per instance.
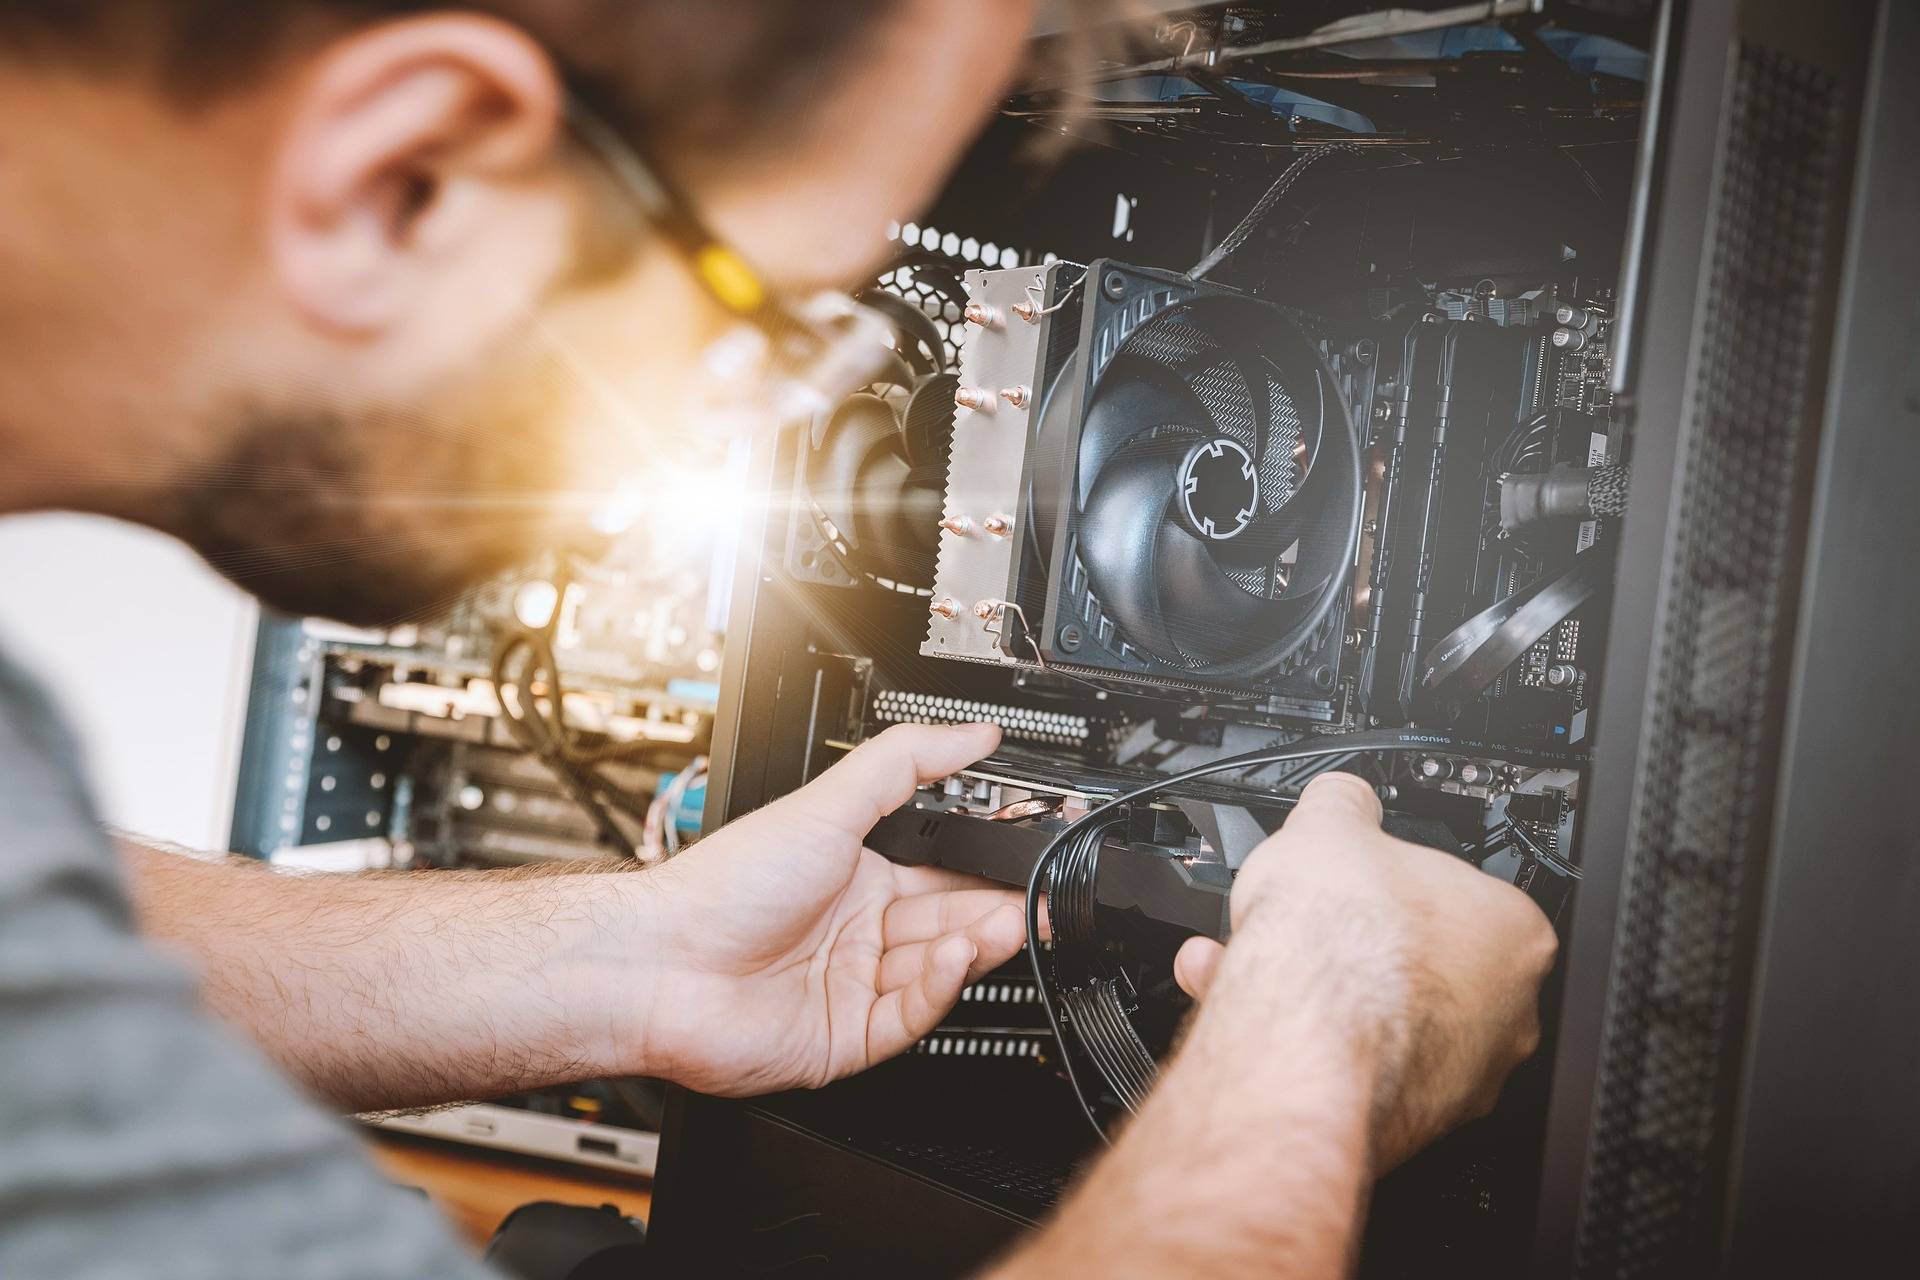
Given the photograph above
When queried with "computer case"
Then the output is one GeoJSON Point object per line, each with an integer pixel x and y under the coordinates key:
{"type": "Point", "coordinates": [1729, 1090]}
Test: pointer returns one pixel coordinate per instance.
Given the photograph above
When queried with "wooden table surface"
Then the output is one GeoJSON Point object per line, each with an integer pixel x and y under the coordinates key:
{"type": "Point", "coordinates": [477, 1188]}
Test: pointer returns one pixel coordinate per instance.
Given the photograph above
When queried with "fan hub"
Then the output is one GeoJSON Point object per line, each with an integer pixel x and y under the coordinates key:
{"type": "Point", "coordinates": [1219, 489]}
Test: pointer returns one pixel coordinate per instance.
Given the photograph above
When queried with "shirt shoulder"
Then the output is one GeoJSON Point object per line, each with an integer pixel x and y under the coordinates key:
{"type": "Point", "coordinates": [138, 1136]}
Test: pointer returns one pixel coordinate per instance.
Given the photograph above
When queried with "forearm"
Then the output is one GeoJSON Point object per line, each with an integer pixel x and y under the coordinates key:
{"type": "Point", "coordinates": [1241, 1164]}
{"type": "Point", "coordinates": [393, 990]}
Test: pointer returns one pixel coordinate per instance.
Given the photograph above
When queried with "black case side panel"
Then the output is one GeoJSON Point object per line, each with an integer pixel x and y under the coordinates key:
{"type": "Point", "coordinates": [1687, 784]}
{"type": "Point", "coordinates": [1826, 1161]}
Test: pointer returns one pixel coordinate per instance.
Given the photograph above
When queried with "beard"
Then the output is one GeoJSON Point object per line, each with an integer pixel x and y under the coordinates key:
{"type": "Point", "coordinates": [385, 514]}
{"type": "Point", "coordinates": [374, 519]}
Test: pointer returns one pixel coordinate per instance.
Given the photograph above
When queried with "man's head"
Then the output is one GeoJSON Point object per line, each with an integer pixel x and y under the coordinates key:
{"type": "Point", "coordinates": [326, 287]}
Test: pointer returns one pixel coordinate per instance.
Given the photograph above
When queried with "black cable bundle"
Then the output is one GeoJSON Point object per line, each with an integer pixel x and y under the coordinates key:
{"type": "Point", "coordinates": [1525, 447]}
{"type": "Point", "coordinates": [1472, 656]}
{"type": "Point", "coordinates": [1090, 993]}
{"type": "Point", "coordinates": [1103, 1018]}
{"type": "Point", "coordinates": [523, 658]}
{"type": "Point", "coordinates": [545, 735]}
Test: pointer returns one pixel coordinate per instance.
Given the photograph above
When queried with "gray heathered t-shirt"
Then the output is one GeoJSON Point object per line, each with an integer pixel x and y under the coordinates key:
{"type": "Point", "coordinates": [139, 1138]}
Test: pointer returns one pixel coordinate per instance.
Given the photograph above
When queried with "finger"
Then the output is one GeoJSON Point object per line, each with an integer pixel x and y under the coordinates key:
{"type": "Point", "coordinates": [912, 880]}
{"type": "Point", "coordinates": [915, 881]}
{"type": "Point", "coordinates": [997, 937]}
{"type": "Point", "coordinates": [1195, 963]}
{"type": "Point", "coordinates": [880, 774]}
{"type": "Point", "coordinates": [903, 1017]}
{"type": "Point", "coordinates": [929, 915]}
{"type": "Point", "coordinates": [1342, 797]}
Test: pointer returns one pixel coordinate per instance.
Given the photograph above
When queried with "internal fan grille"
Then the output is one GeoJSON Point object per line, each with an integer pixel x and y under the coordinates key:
{"type": "Point", "coordinates": [1166, 568]}
{"type": "Point", "coordinates": [940, 307]}
{"type": "Point", "coordinates": [1193, 354]}
{"type": "Point", "coordinates": [1217, 379]}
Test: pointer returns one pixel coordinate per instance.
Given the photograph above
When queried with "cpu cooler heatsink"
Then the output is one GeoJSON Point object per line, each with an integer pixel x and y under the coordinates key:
{"type": "Point", "coordinates": [1189, 498]}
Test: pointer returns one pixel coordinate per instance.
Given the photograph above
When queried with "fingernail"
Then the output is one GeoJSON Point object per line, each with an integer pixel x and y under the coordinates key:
{"type": "Point", "coordinates": [1328, 784]}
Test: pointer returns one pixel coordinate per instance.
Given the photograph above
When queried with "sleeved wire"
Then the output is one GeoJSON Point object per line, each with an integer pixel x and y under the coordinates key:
{"type": "Point", "coordinates": [1539, 852]}
{"type": "Point", "coordinates": [1095, 825]}
{"type": "Point", "coordinates": [1263, 207]}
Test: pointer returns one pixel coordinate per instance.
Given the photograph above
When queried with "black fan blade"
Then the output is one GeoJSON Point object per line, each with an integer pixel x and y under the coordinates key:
{"type": "Point", "coordinates": [862, 424]}
{"type": "Point", "coordinates": [920, 342]}
{"type": "Point", "coordinates": [1117, 541]}
{"type": "Point", "coordinates": [1133, 396]}
{"type": "Point", "coordinates": [926, 428]}
{"type": "Point", "coordinates": [896, 523]}
{"type": "Point", "coordinates": [1322, 516]}
{"type": "Point", "coordinates": [1207, 614]}
{"type": "Point", "coordinates": [893, 372]}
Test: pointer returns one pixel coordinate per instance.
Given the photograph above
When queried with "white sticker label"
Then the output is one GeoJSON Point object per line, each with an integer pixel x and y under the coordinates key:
{"type": "Point", "coordinates": [1596, 457]}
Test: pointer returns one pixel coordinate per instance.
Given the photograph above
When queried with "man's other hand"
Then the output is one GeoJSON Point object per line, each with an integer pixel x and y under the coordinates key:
{"type": "Point", "coordinates": [1428, 968]}
{"type": "Point", "coordinates": [792, 955]}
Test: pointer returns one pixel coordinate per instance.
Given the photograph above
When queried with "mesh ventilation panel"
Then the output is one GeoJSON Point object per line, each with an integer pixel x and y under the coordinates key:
{"type": "Point", "coordinates": [1704, 790]}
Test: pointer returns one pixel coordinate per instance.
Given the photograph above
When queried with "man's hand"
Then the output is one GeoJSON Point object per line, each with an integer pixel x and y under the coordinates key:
{"type": "Point", "coordinates": [791, 955]}
{"type": "Point", "coordinates": [775, 953]}
{"type": "Point", "coordinates": [1372, 995]}
{"type": "Point", "coordinates": [1437, 965]}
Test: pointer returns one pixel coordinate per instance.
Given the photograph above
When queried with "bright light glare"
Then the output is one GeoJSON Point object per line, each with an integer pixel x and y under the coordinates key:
{"type": "Point", "coordinates": [676, 507]}
{"type": "Point", "coordinates": [622, 507]}
{"type": "Point", "coordinates": [534, 603]}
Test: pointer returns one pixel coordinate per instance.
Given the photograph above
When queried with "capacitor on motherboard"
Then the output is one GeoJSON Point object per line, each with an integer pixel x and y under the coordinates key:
{"type": "Point", "coordinates": [1573, 317]}
{"type": "Point", "coordinates": [1569, 339]}
{"type": "Point", "coordinates": [1434, 769]}
{"type": "Point", "coordinates": [1562, 675]}
{"type": "Point", "coordinates": [1474, 774]}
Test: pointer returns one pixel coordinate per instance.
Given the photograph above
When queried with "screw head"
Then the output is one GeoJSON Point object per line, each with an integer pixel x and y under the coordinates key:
{"type": "Point", "coordinates": [986, 610]}
{"type": "Point", "coordinates": [1070, 638]}
{"type": "Point", "coordinates": [1114, 285]}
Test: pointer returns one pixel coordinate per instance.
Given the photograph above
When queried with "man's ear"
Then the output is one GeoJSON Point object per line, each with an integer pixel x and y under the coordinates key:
{"type": "Point", "coordinates": [398, 135]}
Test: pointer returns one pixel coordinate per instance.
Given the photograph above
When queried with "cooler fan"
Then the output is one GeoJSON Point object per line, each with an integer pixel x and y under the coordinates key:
{"type": "Point", "coordinates": [875, 468]}
{"type": "Point", "coordinates": [1216, 496]}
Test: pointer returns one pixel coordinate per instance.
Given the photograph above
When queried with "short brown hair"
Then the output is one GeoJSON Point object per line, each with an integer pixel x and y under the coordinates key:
{"type": "Point", "coordinates": [651, 66]}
